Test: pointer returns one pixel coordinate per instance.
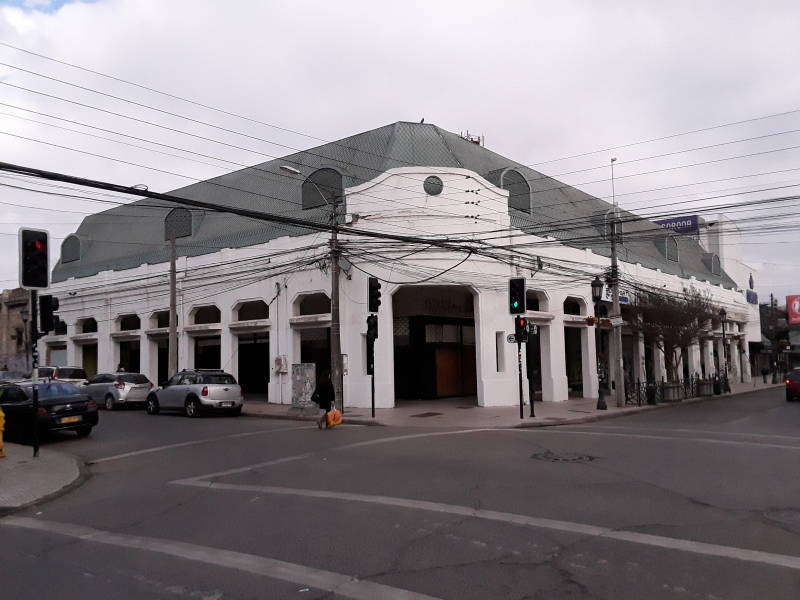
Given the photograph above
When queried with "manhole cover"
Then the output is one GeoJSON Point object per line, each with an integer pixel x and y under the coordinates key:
{"type": "Point", "coordinates": [566, 457]}
{"type": "Point", "coordinates": [427, 414]}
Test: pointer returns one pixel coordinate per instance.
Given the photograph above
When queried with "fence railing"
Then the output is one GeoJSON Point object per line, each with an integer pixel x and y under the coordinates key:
{"type": "Point", "coordinates": [640, 393]}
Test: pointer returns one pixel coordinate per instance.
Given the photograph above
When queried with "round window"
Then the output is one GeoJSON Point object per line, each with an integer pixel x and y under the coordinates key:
{"type": "Point", "coordinates": [433, 185]}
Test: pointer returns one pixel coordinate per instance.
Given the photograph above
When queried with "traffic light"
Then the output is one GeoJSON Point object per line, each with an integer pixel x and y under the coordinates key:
{"type": "Point", "coordinates": [374, 296]}
{"type": "Point", "coordinates": [520, 328]}
{"type": "Point", "coordinates": [47, 306]}
{"type": "Point", "coordinates": [34, 263]}
{"type": "Point", "coordinates": [372, 327]}
{"type": "Point", "coordinates": [516, 295]}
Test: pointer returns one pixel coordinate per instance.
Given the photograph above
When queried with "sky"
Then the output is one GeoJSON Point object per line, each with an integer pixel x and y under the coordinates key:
{"type": "Point", "coordinates": [541, 81]}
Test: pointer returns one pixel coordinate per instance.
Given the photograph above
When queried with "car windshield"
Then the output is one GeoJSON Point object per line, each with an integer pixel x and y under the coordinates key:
{"type": "Point", "coordinates": [71, 373]}
{"type": "Point", "coordinates": [49, 390]}
{"type": "Point", "coordinates": [132, 378]}
{"type": "Point", "coordinates": [222, 378]}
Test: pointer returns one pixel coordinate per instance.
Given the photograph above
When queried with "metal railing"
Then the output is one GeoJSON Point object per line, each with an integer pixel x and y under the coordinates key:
{"type": "Point", "coordinates": [641, 393]}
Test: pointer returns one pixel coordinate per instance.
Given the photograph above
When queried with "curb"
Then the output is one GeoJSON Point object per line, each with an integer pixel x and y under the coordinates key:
{"type": "Point", "coordinates": [598, 416]}
{"type": "Point", "coordinates": [83, 476]}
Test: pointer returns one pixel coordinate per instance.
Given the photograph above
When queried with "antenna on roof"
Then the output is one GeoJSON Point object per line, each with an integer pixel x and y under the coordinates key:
{"type": "Point", "coordinates": [422, 121]}
{"type": "Point", "coordinates": [475, 139]}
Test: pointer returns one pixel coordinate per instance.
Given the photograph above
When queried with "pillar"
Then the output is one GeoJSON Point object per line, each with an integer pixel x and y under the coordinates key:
{"type": "Point", "coordinates": [74, 353]}
{"type": "Point", "coordinates": [228, 351]}
{"type": "Point", "coordinates": [589, 362]}
{"type": "Point", "coordinates": [694, 359]}
{"type": "Point", "coordinates": [747, 377]}
{"type": "Point", "coordinates": [554, 368]}
{"type": "Point", "coordinates": [733, 360]}
{"type": "Point", "coordinates": [659, 366]}
{"type": "Point", "coordinates": [720, 355]}
{"type": "Point", "coordinates": [708, 357]}
{"type": "Point", "coordinates": [639, 368]}
{"type": "Point", "coordinates": [107, 349]}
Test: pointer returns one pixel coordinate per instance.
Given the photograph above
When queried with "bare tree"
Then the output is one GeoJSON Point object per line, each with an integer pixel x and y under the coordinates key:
{"type": "Point", "coordinates": [670, 322]}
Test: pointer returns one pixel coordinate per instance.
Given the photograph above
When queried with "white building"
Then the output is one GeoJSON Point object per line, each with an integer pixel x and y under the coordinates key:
{"type": "Point", "coordinates": [253, 297]}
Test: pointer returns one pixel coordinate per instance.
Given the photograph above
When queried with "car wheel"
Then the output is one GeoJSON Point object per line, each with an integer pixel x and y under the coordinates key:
{"type": "Point", "coordinates": [109, 404]}
{"type": "Point", "coordinates": [84, 430]}
{"type": "Point", "coordinates": [192, 408]}
{"type": "Point", "coordinates": [152, 406]}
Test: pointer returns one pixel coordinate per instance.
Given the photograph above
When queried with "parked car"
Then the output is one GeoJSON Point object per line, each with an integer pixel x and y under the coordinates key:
{"type": "Point", "coordinates": [11, 377]}
{"type": "Point", "coordinates": [197, 391]}
{"type": "Point", "coordinates": [793, 385]}
{"type": "Point", "coordinates": [111, 390]}
{"type": "Point", "coordinates": [74, 375]}
{"type": "Point", "coordinates": [62, 407]}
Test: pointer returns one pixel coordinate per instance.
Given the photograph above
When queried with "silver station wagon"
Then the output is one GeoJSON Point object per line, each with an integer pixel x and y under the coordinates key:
{"type": "Point", "coordinates": [197, 391]}
{"type": "Point", "coordinates": [112, 390]}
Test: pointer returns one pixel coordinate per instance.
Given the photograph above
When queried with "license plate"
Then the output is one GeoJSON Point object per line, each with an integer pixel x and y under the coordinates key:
{"type": "Point", "coordinates": [226, 403]}
{"type": "Point", "coordinates": [64, 420]}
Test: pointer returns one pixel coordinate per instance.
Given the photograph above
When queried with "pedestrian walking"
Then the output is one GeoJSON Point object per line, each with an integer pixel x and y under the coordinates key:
{"type": "Point", "coordinates": [324, 396]}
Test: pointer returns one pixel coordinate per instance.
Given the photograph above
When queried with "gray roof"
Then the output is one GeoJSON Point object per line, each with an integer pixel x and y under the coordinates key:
{"type": "Point", "coordinates": [127, 236]}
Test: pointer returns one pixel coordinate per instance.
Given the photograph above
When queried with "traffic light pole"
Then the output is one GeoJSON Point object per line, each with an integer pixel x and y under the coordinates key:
{"type": "Point", "coordinates": [34, 371]}
{"type": "Point", "coordinates": [617, 374]}
{"type": "Point", "coordinates": [519, 376]}
{"type": "Point", "coordinates": [172, 367]}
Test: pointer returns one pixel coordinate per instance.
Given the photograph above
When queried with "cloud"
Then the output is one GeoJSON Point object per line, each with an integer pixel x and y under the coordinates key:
{"type": "Point", "coordinates": [539, 80]}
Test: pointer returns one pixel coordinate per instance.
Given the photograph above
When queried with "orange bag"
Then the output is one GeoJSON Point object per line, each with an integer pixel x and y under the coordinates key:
{"type": "Point", "coordinates": [333, 417]}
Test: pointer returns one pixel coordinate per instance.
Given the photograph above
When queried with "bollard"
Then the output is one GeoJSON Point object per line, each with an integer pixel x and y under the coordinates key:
{"type": "Point", "coordinates": [2, 427]}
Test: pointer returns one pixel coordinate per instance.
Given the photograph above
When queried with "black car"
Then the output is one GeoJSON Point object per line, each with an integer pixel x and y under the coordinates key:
{"type": "Point", "coordinates": [62, 407]}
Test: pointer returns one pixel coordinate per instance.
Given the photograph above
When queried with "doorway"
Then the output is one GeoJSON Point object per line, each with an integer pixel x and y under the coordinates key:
{"type": "Point", "coordinates": [254, 368]}
{"type": "Point", "coordinates": [207, 352]}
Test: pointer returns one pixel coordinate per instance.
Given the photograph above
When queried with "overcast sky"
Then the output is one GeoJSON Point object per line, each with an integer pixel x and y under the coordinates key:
{"type": "Point", "coordinates": [540, 80]}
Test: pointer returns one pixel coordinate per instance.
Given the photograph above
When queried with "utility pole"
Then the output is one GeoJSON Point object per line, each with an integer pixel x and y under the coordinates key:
{"type": "Point", "coordinates": [617, 375]}
{"type": "Point", "coordinates": [336, 340]}
{"type": "Point", "coordinates": [172, 367]}
{"type": "Point", "coordinates": [774, 340]}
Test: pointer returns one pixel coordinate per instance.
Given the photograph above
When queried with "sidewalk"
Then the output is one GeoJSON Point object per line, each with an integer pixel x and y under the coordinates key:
{"type": "Point", "coordinates": [463, 413]}
{"type": "Point", "coordinates": [25, 480]}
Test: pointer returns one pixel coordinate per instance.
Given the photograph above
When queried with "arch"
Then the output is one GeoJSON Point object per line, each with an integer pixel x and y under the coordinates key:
{"type": "Point", "coordinates": [87, 325]}
{"type": "Point", "coordinates": [159, 319]}
{"type": "Point", "coordinates": [519, 190]}
{"type": "Point", "coordinates": [70, 249]}
{"type": "Point", "coordinates": [317, 303]}
{"type": "Point", "coordinates": [323, 187]}
{"type": "Point", "coordinates": [574, 305]}
{"type": "Point", "coordinates": [250, 310]}
{"type": "Point", "coordinates": [536, 300]}
{"type": "Point", "coordinates": [204, 315]}
{"type": "Point", "coordinates": [129, 322]}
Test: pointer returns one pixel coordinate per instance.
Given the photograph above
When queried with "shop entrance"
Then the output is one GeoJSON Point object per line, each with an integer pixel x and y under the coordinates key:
{"type": "Point", "coordinates": [254, 368]}
{"type": "Point", "coordinates": [434, 343]}
{"type": "Point", "coordinates": [207, 353]}
{"type": "Point", "coordinates": [129, 356]}
{"type": "Point", "coordinates": [574, 361]}
{"type": "Point", "coordinates": [315, 347]}
{"type": "Point", "coordinates": [89, 359]}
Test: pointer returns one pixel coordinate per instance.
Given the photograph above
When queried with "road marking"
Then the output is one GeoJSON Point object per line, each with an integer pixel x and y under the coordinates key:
{"type": "Point", "coordinates": [191, 443]}
{"type": "Point", "coordinates": [683, 545]}
{"type": "Point", "coordinates": [295, 457]}
{"type": "Point", "coordinates": [643, 436]}
{"type": "Point", "coordinates": [700, 431]}
{"type": "Point", "coordinates": [329, 581]}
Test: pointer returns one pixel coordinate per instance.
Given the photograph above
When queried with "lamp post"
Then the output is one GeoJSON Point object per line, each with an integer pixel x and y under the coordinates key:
{"type": "Point", "coordinates": [597, 294]}
{"type": "Point", "coordinates": [25, 315]}
{"type": "Point", "coordinates": [723, 315]}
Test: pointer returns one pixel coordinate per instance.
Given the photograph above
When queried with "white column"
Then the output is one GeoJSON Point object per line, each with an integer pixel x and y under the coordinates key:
{"type": "Point", "coordinates": [554, 368]}
{"type": "Point", "coordinates": [149, 358]}
{"type": "Point", "coordinates": [720, 355]}
{"type": "Point", "coordinates": [745, 362]}
{"type": "Point", "coordinates": [733, 358]}
{"type": "Point", "coordinates": [280, 384]}
{"type": "Point", "coordinates": [107, 348]}
{"type": "Point", "coordinates": [639, 368]}
{"type": "Point", "coordinates": [694, 360]}
{"type": "Point", "coordinates": [659, 366]}
{"type": "Point", "coordinates": [589, 362]}
{"type": "Point", "coordinates": [678, 360]}
{"type": "Point", "coordinates": [228, 343]}
{"type": "Point", "coordinates": [708, 356]}
{"type": "Point", "coordinates": [74, 354]}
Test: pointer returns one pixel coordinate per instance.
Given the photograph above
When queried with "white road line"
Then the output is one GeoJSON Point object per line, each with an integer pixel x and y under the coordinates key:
{"type": "Point", "coordinates": [337, 583]}
{"type": "Point", "coordinates": [716, 550]}
{"type": "Point", "coordinates": [695, 431]}
{"type": "Point", "coordinates": [191, 443]}
{"type": "Point", "coordinates": [670, 438]}
{"type": "Point", "coordinates": [295, 457]}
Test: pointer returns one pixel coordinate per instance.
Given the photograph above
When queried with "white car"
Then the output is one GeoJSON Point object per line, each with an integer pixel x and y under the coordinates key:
{"type": "Point", "coordinates": [197, 391]}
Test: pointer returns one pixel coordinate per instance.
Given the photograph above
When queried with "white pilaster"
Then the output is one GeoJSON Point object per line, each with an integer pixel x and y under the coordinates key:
{"type": "Point", "coordinates": [589, 362]}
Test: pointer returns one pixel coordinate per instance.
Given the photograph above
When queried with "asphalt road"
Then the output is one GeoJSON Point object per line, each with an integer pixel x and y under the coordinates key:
{"type": "Point", "coordinates": [695, 502]}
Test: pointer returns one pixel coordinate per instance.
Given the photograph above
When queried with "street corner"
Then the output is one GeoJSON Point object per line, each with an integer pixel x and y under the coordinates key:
{"type": "Point", "coordinates": [25, 480]}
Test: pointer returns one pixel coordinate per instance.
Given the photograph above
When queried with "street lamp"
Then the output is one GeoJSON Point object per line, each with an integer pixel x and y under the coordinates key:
{"type": "Point", "coordinates": [723, 315]}
{"type": "Point", "coordinates": [597, 294]}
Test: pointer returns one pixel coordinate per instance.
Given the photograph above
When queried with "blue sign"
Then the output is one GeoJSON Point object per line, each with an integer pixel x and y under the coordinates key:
{"type": "Point", "coordinates": [752, 297]}
{"type": "Point", "coordinates": [689, 224]}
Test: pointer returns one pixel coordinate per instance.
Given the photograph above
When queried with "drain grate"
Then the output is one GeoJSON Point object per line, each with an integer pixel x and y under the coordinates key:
{"type": "Point", "coordinates": [426, 414]}
{"type": "Point", "coordinates": [566, 457]}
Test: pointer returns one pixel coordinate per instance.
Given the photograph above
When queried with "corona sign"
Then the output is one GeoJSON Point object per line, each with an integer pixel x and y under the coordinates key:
{"type": "Point", "coordinates": [793, 309]}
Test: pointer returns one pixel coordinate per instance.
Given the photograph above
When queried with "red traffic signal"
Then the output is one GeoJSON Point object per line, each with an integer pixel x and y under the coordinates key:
{"type": "Point", "coordinates": [34, 259]}
{"type": "Point", "coordinates": [520, 328]}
